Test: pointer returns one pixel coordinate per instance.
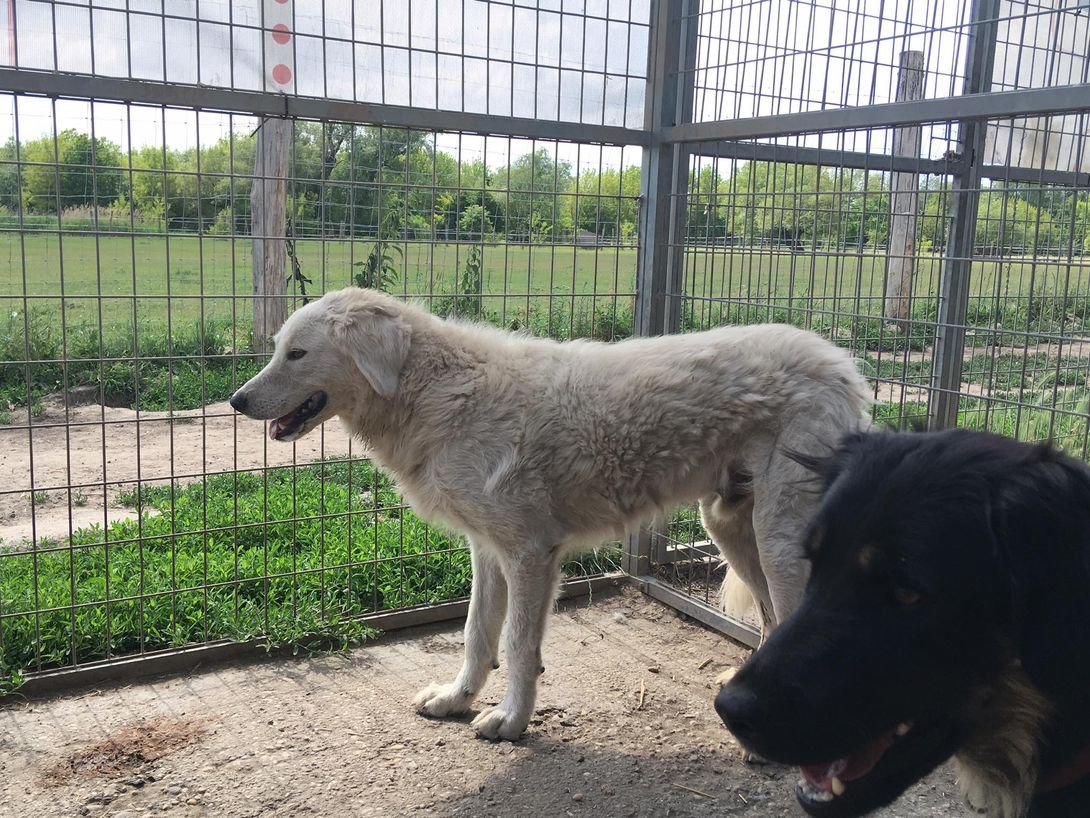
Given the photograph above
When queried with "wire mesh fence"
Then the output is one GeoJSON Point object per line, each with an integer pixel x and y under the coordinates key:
{"type": "Point", "coordinates": [807, 227]}
{"type": "Point", "coordinates": [570, 169]}
{"type": "Point", "coordinates": [142, 514]}
{"type": "Point", "coordinates": [575, 62]}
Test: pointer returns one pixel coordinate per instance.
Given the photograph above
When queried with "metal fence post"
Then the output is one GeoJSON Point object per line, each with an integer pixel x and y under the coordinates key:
{"type": "Point", "coordinates": [665, 171]}
{"type": "Point", "coordinates": [664, 182]}
{"type": "Point", "coordinates": [942, 406]}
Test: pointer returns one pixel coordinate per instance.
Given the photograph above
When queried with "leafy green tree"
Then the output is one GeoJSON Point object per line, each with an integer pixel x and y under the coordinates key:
{"type": "Point", "coordinates": [607, 203]}
{"type": "Point", "coordinates": [469, 187]}
{"type": "Point", "coordinates": [375, 171]}
{"type": "Point", "coordinates": [152, 184]}
{"type": "Point", "coordinates": [1007, 223]}
{"type": "Point", "coordinates": [529, 191]}
{"type": "Point", "coordinates": [782, 202]}
{"type": "Point", "coordinates": [866, 216]}
{"type": "Point", "coordinates": [709, 198]}
{"type": "Point", "coordinates": [72, 171]}
{"type": "Point", "coordinates": [11, 195]}
{"type": "Point", "coordinates": [474, 223]}
{"type": "Point", "coordinates": [1080, 227]}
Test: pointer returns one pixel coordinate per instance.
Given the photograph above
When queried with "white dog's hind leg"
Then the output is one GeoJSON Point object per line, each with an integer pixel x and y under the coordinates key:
{"type": "Point", "coordinates": [782, 508]}
{"type": "Point", "coordinates": [729, 522]}
{"type": "Point", "coordinates": [487, 605]}
{"type": "Point", "coordinates": [531, 586]}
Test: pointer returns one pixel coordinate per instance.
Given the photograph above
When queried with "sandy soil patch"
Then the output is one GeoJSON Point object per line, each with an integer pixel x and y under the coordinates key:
{"type": "Point", "coordinates": [336, 736]}
{"type": "Point", "coordinates": [104, 450]}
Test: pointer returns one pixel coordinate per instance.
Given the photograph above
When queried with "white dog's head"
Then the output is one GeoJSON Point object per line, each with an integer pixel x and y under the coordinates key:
{"type": "Point", "coordinates": [321, 352]}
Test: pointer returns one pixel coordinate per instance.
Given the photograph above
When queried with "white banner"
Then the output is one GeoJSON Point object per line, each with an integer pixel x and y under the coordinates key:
{"type": "Point", "coordinates": [7, 18]}
{"type": "Point", "coordinates": [278, 45]}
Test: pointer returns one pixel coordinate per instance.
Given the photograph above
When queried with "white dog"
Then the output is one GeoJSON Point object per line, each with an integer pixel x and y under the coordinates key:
{"type": "Point", "coordinates": [535, 448]}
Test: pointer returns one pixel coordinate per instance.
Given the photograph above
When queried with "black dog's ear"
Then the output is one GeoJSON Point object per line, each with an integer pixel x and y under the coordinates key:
{"type": "Point", "coordinates": [828, 465]}
{"type": "Point", "coordinates": [1040, 518]}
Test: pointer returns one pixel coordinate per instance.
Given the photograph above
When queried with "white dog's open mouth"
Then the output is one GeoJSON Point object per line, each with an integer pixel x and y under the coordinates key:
{"type": "Point", "coordinates": [289, 426]}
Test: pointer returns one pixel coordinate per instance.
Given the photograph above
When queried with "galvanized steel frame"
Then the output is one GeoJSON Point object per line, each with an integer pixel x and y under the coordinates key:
{"type": "Point", "coordinates": [262, 103]}
{"type": "Point", "coordinates": [942, 408]}
{"type": "Point", "coordinates": [188, 659]}
{"type": "Point", "coordinates": [669, 138]}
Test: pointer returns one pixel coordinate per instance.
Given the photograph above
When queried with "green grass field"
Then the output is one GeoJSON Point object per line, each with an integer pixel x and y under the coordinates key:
{"type": "Point", "coordinates": [186, 278]}
{"type": "Point", "coordinates": [189, 278]}
{"type": "Point", "coordinates": [158, 320]}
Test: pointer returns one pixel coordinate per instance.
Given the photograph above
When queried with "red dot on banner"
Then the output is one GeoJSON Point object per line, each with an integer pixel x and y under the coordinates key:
{"type": "Point", "coordinates": [281, 33]}
{"type": "Point", "coordinates": [281, 2]}
{"type": "Point", "coordinates": [281, 73]}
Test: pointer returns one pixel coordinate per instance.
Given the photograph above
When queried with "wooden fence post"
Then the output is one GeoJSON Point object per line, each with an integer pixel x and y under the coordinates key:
{"type": "Point", "coordinates": [268, 207]}
{"type": "Point", "coordinates": [904, 199]}
{"type": "Point", "coordinates": [269, 193]}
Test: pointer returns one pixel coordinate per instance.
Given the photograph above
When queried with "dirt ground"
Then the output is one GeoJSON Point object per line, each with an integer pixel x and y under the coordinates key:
{"type": "Point", "coordinates": [104, 449]}
{"type": "Point", "coordinates": [112, 447]}
{"type": "Point", "coordinates": [335, 735]}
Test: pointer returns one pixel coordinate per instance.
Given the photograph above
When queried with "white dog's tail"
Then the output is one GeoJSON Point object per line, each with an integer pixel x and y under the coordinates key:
{"type": "Point", "coordinates": [735, 600]}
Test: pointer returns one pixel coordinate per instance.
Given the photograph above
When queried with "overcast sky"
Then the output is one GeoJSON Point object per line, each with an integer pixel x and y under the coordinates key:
{"type": "Point", "coordinates": [569, 60]}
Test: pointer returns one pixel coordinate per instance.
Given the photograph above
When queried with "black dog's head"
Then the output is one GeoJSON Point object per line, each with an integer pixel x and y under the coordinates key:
{"type": "Point", "coordinates": [940, 562]}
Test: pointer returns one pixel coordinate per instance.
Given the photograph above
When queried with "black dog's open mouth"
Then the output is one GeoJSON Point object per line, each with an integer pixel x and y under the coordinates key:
{"type": "Point", "coordinates": [876, 774]}
{"type": "Point", "coordinates": [287, 427]}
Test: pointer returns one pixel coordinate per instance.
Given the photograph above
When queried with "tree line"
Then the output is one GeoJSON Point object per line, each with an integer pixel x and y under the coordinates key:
{"type": "Point", "coordinates": [345, 180]}
{"type": "Point", "coordinates": [351, 180]}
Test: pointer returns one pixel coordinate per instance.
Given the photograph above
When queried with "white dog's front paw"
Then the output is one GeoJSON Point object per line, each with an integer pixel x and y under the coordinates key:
{"type": "Point", "coordinates": [439, 701]}
{"type": "Point", "coordinates": [500, 724]}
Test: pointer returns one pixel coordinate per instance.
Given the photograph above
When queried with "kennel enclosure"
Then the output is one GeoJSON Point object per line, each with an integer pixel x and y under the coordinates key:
{"type": "Point", "coordinates": [906, 178]}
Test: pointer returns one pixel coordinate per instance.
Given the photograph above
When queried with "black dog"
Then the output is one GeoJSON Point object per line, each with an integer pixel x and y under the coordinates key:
{"type": "Point", "coordinates": [947, 613]}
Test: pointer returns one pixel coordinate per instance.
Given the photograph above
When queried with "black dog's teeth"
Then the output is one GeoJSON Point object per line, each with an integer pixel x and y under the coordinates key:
{"type": "Point", "coordinates": [813, 793]}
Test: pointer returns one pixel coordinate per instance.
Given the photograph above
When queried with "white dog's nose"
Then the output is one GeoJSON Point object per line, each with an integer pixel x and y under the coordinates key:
{"type": "Point", "coordinates": [238, 402]}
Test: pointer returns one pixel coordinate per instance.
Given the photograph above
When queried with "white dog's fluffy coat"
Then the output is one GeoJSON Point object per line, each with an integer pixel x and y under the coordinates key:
{"type": "Point", "coordinates": [534, 448]}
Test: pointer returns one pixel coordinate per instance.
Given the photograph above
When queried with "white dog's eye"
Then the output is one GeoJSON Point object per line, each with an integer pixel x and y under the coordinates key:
{"type": "Point", "coordinates": [296, 354]}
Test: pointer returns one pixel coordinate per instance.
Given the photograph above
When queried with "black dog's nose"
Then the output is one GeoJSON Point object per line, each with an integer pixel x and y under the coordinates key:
{"type": "Point", "coordinates": [741, 710]}
{"type": "Point", "coordinates": [238, 402]}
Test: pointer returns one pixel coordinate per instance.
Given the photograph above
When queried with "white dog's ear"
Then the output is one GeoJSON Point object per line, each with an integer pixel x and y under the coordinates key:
{"type": "Point", "coordinates": [377, 340]}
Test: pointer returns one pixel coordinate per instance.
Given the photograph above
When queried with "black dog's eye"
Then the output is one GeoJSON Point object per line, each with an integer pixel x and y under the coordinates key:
{"type": "Point", "coordinates": [296, 354]}
{"type": "Point", "coordinates": [907, 597]}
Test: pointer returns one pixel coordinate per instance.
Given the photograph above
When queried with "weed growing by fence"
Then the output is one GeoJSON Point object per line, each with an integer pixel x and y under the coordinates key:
{"type": "Point", "coordinates": [286, 553]}
{"type": "Point", "coordinates": [144, 369]}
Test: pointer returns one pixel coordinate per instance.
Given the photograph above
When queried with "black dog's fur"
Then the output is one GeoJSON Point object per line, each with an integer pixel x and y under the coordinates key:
{"type": "Point", "coordinates": [950, 591]}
